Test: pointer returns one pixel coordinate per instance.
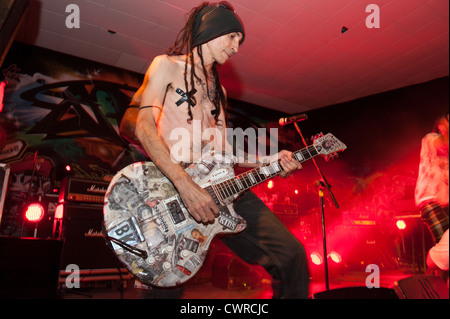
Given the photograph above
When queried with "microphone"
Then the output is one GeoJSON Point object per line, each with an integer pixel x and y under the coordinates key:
{"type": "Point", "coordinates": [291, 119]}
{"type": "Point", "coordinates": [318, 183]}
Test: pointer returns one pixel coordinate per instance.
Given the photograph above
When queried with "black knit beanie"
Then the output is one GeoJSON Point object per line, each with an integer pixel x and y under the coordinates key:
{"type": "Point", "coordinates": [215, 21]}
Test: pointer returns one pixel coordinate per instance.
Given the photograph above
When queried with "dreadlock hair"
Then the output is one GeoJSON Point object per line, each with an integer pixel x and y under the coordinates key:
{"type": "Point", "coordinates": [438, 121]}
{"type": "Point", "coordinates": [184, 46]}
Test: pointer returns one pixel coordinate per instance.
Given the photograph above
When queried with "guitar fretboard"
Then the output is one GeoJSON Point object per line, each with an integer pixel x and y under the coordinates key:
{"type": "Point", "coordinates": [245, 181]}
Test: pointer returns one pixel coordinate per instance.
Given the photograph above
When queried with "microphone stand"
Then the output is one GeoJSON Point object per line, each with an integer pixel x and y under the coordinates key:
{"type": "Point", "coordinates": [322, 184]}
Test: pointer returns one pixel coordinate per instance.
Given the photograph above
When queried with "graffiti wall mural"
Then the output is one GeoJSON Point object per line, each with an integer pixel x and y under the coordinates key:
{"type": "Point", "coordinates": [60, 112]}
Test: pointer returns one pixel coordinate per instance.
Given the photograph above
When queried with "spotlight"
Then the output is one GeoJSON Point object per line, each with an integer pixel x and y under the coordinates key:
{"type": "Point", "coordinates": [59, 211]}
{"type": "Point", "coordinates": [334, 256]}
{"type": "Point", "coordinates": [400, 224]}
{"type": "Point", "coordinates": [57, 221]}
{"type": "Point", "coordinates": [63, 171]}
{"type": "Point", "coordinates": [316, 258]}
{"type": "Point", "coordinates": [270, 185]}
{"type": "Point", "coordinates": [35, 213]}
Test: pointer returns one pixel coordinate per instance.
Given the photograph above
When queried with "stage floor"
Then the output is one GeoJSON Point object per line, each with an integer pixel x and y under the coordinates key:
{"type": "Point", "coordinates": [205, 289]}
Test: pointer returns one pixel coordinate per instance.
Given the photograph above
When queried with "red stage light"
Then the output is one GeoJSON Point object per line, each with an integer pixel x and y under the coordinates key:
{"type": "Point", "coordinates": [401, 224]}
{"type": "Point", "coordinates": [35, 212]}
{"type": "Point", "coordinates": [296, 192]}
{"type": "Point", "coordinates": [59, 211]}
{"type": "Point", "coordinates": [68, 168]}
{"type": "Point", "coordinates": [334, 256]}
{"type": "Point", "coordinates": [2, 94]}
{"type": "Point", "coordinates": [316, 258]}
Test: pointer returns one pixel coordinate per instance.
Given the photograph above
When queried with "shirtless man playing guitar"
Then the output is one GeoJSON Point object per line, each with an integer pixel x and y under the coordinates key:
{"type": "Point", "coordinates": [181, 89]}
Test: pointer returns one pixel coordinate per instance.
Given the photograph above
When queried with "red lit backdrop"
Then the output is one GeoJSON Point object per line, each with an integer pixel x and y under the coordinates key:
{"type": "Point", "coordinates": [69, 110]}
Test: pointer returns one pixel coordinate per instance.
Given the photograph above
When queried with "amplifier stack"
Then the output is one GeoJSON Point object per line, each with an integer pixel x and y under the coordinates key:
{"type": "Point", "coordinates": [82, 223]}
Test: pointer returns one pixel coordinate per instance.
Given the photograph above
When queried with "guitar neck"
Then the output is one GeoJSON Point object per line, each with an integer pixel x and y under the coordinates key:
{"type": "Point", "coordinates": [253, 177]}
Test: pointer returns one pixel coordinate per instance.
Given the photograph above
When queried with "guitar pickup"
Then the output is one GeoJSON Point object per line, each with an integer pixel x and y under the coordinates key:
{"type": "Point", "coordinates": [175, 212]}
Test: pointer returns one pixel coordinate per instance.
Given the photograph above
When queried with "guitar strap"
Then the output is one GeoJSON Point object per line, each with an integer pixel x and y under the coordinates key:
{"type": "Point", "coordinates": [138, 252]}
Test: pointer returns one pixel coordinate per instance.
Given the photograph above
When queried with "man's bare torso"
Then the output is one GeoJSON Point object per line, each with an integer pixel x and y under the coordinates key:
{"type": "Point", "coordinates": [172, 117]}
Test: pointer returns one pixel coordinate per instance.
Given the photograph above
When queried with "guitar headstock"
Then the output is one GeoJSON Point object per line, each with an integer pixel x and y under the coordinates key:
{"type": "Point", "coordinates": [328, 145]}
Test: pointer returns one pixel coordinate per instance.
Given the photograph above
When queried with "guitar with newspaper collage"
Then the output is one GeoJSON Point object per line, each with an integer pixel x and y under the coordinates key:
{"type": "Point", "coordinates": [152, 232]}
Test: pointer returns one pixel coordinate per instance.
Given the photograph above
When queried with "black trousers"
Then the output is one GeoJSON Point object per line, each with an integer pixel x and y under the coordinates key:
{"type": "Point", "coordinates": [267, 242]}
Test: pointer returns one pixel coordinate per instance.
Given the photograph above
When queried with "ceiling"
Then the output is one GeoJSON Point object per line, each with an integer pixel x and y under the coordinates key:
{"type": "Point", "coordinates": [295, 56]}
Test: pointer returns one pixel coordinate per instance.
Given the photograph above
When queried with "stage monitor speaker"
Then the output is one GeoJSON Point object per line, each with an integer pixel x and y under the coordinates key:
{"type": "Point", "coordinates": [357, 293]}
{"type": "Point", "coordinates": [422, 287]}
{"type": "Point", "coordinates": [29, 268]}
{"type": "Point", "coordinates": [82, 246]}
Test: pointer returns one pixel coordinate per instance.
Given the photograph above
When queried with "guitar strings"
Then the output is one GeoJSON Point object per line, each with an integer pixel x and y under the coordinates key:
{"type": "Point", "coordinates": [228, 188]}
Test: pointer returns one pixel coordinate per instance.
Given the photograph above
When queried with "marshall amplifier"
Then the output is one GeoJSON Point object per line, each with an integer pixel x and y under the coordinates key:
{"type": "Point", "coordinates": [75, 190]}
{"type": "Point", "coordinates": [84, 244]}
{"type": "Point", "coordinates": [82, 225]}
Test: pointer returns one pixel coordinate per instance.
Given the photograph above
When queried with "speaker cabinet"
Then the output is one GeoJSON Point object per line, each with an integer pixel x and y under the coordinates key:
{"type": "Point", "coordinates": [83, 245]}
{"type": "Point", "coordinates": [357, 293]}
{"type": "Point", "coordinates": [29, 267]}
{"type": "Point", "coordinates": [422, 287]}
